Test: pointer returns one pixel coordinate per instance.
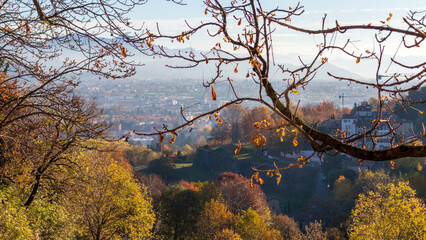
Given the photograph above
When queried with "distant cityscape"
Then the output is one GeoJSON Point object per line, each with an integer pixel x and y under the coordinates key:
{"type": "Point", "coordinates": [142, 105]}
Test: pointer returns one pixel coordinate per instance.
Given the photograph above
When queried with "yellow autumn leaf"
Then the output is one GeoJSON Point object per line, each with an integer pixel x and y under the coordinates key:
{"type": "Point", "coordinates": [256, 140]}
{"type": "Point", "coordinates": [295, 142]}
{"type": "Point", "coordinates": [282, 135]}
{"type": "Point", "coordinates": [419, 167]}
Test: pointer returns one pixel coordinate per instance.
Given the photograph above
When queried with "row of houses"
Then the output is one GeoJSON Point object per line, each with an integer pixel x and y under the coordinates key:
{"type": "Point", "coordinates": [362, 118]}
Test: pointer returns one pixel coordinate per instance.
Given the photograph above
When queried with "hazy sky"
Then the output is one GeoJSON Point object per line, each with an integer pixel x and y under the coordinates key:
{"type": "Point", "coordinates": [171, 19]}
{"type": "Point", "coordinates": [163, 9]}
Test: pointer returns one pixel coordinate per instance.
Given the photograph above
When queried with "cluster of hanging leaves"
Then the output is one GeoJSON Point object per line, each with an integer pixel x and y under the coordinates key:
{"type": "Point", "coordinates": [218, 120]}
{"type": "Point", "coordinates": [300, 162]}
{"type": "Point", "coordinates": [258, 140]}
{"type": "Point", "coordinates": [269, 173]}
{"type": "Point", "coordinates": [257, 178]}
{"type": "Point", "coordinates": [262, 124]}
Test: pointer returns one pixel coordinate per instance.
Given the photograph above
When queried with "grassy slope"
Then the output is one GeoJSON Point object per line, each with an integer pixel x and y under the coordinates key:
{"type": "Point", "coordinates": [293, 193]}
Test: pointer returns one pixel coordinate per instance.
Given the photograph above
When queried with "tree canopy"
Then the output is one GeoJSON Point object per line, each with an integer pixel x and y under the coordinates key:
{"type": "Point", "coordinates": [391, 211]}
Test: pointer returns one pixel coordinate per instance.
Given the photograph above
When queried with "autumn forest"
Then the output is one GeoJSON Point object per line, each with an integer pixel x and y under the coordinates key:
{"type": "Point", "coordinates": [242, 151]}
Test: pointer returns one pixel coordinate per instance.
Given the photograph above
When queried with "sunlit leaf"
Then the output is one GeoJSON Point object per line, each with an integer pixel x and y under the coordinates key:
{"type": "Point", "coordinates": [358, 60]}
{"type": "Point", "coordinates": [392, 163]}
{"type": "Point", "coordinates": [238, 149]}
{"type": "Point", "coordinates": [123, 51]}
{"type": "Point", "coordinates": [389, 18]}
{"type": "Point", "coordinates": [258, 140]}
{"type": "Point", "coordinates": [295, 142]}
{"type": "Point", "coordinates": [282, 135]}
{"type": "Point", "coordinates": [368, 52]}
{"type": "Point", "coordinates": [173, 139]}
{"type": "Point", "coordinates": [213, 93]}
{"type": "Point", "coordinates": [278, 179]}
